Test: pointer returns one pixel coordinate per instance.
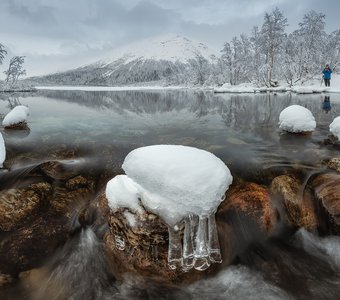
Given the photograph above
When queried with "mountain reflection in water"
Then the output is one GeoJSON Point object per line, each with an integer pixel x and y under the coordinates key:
{"type": "Point", "coordinates": [96, 130]}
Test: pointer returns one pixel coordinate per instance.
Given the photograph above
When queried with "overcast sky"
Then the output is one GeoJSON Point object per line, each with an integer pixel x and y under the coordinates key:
{"type": "Point", "coordinates": [55, 35]}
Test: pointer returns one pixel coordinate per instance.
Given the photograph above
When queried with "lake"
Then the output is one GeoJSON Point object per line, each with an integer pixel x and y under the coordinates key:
{"type": "Point", "coordinates": [96, 130]}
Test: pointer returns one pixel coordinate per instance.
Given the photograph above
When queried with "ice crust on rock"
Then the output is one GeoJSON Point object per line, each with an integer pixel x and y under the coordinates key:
{"type": "Point", "coordinates": [2, 151]}
{"type": "Point", "coordinates": [334, 127]}
{"type": "Point", "coordinates": [17, 115]}
{"type": "Point", "coordinates": [183, 186]}
{"type": "Point", "coordinates": [296, 118]}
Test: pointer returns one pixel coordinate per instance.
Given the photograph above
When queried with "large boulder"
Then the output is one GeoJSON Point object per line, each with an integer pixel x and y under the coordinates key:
{"type": "Point", "coordinates": [297, 203]}
{"type": "Point", "coordinates": [21, 204]}
{"type": "Point", "coordinates": [327, 191]}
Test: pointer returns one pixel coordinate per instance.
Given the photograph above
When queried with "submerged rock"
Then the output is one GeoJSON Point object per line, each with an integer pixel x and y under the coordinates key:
{"type": "Point", "coordinates": [253, 201]}
{"type": "Point", "coordinates": [334, 163]}
{"type": "Point", "coordinates": [299, 210]}
{"type": "Point", "coordinates": [327, 191]}
{"type": "Point", "coordinates": [31, 244]}
{"type": "Point", "coordinates": [18, 205]}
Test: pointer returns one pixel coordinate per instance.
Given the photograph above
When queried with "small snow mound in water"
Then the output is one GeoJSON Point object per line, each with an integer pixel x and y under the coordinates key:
{"type": "Point", "coordinates": [181, 185]}
{"type": "Point", "coordinates": [2, 151]}
{"type": "Point", "coordinates": [334, 127]}
{"type": "Point", "coordinates": [17, 115]}
{"type": "Point", "coordinates": [296, 118]}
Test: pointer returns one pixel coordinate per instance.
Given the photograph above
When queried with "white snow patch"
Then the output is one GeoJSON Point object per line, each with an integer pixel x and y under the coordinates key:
{"type": "Point", "coordinates": [121, 191]}
{"type": "Point", "coordinates": [334, 127]}
{"type": "Point", "coordinates": [172, 181]}
{"type": "Point", "coordinates": [2, 151]}
{"type": "Point", "coordinates": [131, 218]}
{"type": "Point", "coordinates": [296, 118]}
{"type": "Point", "coordinates": [237, 89]}
{"type": "Point", "coordinates": [17, 115]}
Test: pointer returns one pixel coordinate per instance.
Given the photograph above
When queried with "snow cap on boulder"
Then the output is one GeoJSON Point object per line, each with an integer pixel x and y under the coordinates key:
{"type": "Point", "coordinates": [17, 115]}
{"type": "Point", "coordinates": [297, 119]}
{"type": "Point", "coordinates": [171, 181]}
{"type": "Point", "coordinates": [334, 127]}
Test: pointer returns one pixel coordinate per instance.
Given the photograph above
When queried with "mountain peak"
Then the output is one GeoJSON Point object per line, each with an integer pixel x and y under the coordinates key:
{"type": "Point", "coordinates": [170, 48]}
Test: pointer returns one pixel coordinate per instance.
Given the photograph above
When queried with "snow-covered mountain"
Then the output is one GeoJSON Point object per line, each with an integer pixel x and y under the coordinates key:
{"type": "Point", "coordinates": [162, 60]}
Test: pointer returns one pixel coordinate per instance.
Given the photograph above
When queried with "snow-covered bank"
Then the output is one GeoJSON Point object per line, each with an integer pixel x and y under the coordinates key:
{"type": "Point", "coordinates": [108, 88]}
{"type": "Point", "coordinates": [310, 87]}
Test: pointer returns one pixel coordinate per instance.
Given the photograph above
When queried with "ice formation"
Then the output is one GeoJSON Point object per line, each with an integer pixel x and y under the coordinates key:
{"type": "Point", "coordinates": [17, 115]}
{"type": "Point", "coordinates": [334, 127]}
{"type": "Point", "coordinates": [183, 186]}
{"type": "Point", "coordinates": [296, 118]}
{"type": "Point", "coordinates": [2, 151]}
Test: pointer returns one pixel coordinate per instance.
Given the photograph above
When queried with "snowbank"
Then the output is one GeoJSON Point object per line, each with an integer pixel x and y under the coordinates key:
{"type": "Point", "coordinates": [2, 151]}
{"type": "Point", "coordinates": [334, 127]}
{"type": "Point", "coordinates": [310, 87]}
{"type": "Point", "coordinates": [172, 182]}
{"type": "Point", "coordinates": [108, 88]}
{"type": "Point", "coordinates": [237, 89]}
{"type": "Point", "coordinates": [296, 118]}
{"type": "Point", "coordinates": [17, 115]}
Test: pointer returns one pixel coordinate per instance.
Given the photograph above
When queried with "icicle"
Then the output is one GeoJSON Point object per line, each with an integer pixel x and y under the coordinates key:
{"type": "Point", "coordinates": [188, 243]}
{"type": "Point", "coordinates": [202, 261]}
{"type": "Point", "coordinates": [175, 248]}
{"type": "Point", "coordinates": [213, 244]}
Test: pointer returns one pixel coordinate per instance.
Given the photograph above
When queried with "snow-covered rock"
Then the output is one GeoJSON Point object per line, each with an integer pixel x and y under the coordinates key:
{"type": "Point", "coordinates": [182, 185]}
{"type": "Point", "coordinates": [296, 118]}
{"type": "Point", "coordinates": [172, 182]}
{"type": "Point", "coordinates": [334, 127]}
{"type": "Point", "coordinates": [2, 151]}
{"type": "Point", "coordinates": [17, 115]}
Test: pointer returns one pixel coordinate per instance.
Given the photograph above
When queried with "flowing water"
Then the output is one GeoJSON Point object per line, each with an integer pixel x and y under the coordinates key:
{"type": "Point", "coordinates": [92, 132]}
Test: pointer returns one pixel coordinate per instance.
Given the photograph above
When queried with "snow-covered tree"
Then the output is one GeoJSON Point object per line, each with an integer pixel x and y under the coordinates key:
{"type": "Point", "coordinates": [237, 58]}
{"type": "Point", "coordinates": [272, 37]}
{"type": "Point", "coordinates": [15, 69]}
{"type": "Point", "coordinates": [312, 34]}
{"type": "Point", "coordinates": [3, 53]}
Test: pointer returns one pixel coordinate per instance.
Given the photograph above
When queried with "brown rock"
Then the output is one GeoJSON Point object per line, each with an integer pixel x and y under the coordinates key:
{"type": "Point", "coordinates": [253, 201]}
{"type": "Point", "coordinates": [61, 170]}
{"type": "Point", "coordinates": [327, 191]}
{"type": "Point", "coordinates": [69, 202]}
{"type": "Point", "coordinates": [334, 163]}
{"type": "Point", "coordinates": [299, 210]}
{"type": "Point", "coordinates": [18, 126]}
{"type": "Point", "coordinates": [5, 279]}
{"type": "Point", "coordinates": [17, 205]}
{"type": "Point", "coordinates": [79, 182]}
{"type": "Point", "coordinates": [143, 246]}
{"type": "Point", "coordinates": [30, 245]}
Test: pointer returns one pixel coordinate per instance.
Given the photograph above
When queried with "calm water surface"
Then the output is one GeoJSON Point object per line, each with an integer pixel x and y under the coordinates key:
{"type": "Point", "coordinates": [100, 128]}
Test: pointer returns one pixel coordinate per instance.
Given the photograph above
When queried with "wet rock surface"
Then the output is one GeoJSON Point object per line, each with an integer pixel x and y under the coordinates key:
{"type": "Point", "coordinates": [327, 191]}
{"type": "Point", "coordinates": [297, 202]}
{"type": "Point", "coordinates": [17, 205]}
{"type": "Point", "coordinates": [253, 201]}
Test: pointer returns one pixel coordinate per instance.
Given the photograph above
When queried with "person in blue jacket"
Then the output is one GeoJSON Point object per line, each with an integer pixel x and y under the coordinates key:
{"type": "Point", "coordinates": [327, 71]}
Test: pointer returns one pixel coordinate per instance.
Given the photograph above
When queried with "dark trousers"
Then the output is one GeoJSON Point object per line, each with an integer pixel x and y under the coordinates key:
{"type": "Point", "coordinates": [327, 82]}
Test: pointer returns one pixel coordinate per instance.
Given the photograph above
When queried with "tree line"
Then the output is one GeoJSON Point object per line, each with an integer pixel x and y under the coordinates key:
{"type": "Point", "coordinates": [15, 68]}
{"type": "Point", "coordinates": [270, 54]}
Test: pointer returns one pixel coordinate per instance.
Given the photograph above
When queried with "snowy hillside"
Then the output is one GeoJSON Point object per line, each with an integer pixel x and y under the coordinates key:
{"type": "Point", "coordinates": [167, 60]}
{"type": "Point", "coordinates": [169, 48]}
